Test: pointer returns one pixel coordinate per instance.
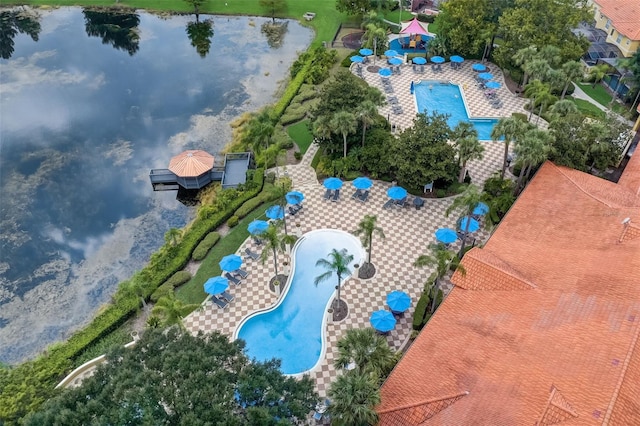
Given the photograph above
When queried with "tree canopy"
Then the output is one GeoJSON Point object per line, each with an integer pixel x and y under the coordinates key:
{"type": "Point", "coordinates": [422, 154]}
{"type": "Point", "coordinates": [172, 377]}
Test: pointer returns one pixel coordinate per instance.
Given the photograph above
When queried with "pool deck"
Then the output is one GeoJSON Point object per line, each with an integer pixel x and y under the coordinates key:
{"type": "Point", "coordinates": [478, 106]}
{"type": "Point", "coordinates": [408, 233]}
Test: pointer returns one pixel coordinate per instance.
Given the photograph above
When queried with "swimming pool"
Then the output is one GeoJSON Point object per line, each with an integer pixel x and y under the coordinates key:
{"type": "Point", "coordinates": [294, 329]}
{"type": "Point", "coordinates": [446, 98]}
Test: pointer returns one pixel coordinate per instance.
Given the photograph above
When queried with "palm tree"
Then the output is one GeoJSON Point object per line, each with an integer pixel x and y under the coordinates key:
{"type": "Point", "coordinates": [366, 228]}
{"type": "Point", "coordinates": [322, 127]}
{"type": "Point", "coordinates": [438, 46]}
{"type": "Point", "coordinates": [563, 108]}
{"type": "Point", "coordinates": [366, 349]}
{"type": "Point", "coordinates": [523, 56]}
{"type": "Point", "coordinates": [367, 112]}
{"type": "Point", "coordinates": [468, 146]}
{"type": "Point", "coordinates": [272, 244]}
{"type": "Point", "coordinates": [441, 258]}
{"type": "Point", "coordinates": [534, 90]}
{"type": "Point", "coordinates": [343, 122]}
{"type": "Point", "coordinates": [375, 37]}
{"type": "Point", "coordinates": [172, 310]}
{"type": "Point", "coordinates": [571, 70]}
{"type": "Point", "coordinates": [597, 73]}
{"type": "Point", "coordinates": [537, 69]}
{"type": "Point", "coordinates": [551, 54]}
{"type": "Point", "coordinates": [510, 128]}
{"type": "Point", "coordinates": [531, 150]}
{"type": "Point", "coordinates": [353, 398]}
{"type": "Point", "coordinates": [173, 236]}
{"type": "Point", "coordinates": [338, 264]}
{"type": "Point", "coordinates": [465, 203]}
{"type": "Point", "coordinates": [260, 130]}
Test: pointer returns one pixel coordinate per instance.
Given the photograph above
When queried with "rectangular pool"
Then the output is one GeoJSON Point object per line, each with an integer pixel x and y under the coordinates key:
{"type": "Point", "coordinates": [446, 98]}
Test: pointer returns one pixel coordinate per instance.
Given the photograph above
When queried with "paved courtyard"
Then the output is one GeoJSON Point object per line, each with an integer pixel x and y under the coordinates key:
{"type": "Point", "coordinates": [408, 233]}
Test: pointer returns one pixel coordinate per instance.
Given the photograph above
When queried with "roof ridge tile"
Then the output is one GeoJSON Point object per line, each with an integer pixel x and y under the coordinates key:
{"type": "Point", "coordinates": [557, 409]}
{"type": "Point", "coordinates": [417, 413]}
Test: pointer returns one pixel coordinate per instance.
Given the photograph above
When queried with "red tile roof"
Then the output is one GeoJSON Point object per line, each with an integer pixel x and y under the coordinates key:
{"type": "Point", "coordinates": [624, 14]}
{"type": "Point", "coordinates": [544, 326]}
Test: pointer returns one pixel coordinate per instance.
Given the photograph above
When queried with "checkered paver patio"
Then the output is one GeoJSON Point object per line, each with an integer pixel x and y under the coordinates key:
{"type": "Point", "coordinates": [408, 233]}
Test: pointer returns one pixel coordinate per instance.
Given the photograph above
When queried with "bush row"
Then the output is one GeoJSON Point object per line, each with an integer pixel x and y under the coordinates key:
{"type": "Point", "coordinates": [421, 311]}
{"type": "Point", "coordinates": [176, 280]}
{"type": "Point", "coordinates": [27, 386]}
{"type": "Point", "coordinates": [205, 245]}
{"type": "Point", "coordinates": [292, 89]}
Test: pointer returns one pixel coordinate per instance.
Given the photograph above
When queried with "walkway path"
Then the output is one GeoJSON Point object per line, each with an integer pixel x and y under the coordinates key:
{"type": "Point", "coordinates": [578, 93]}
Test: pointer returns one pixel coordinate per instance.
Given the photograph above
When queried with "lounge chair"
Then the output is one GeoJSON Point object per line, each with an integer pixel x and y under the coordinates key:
{"type": "Point", "coordinates": [251, 254]}
{"type": "Point", "coordinates": [357, 194]}
{"type": "Point", "coordinates": [241, 273]}
{"type": "Point", "coordinates": [293, 211]}
{"type": "Point", "coordinates": [220, 303]}
{"type": "Point", "coordinates": [327, 194]}
{"type": "Point", "coordinates": [231, 278]}
{"type": "Point", "coordinates": [226, 296]}
{"type": "Point", "coordinates": [336, 195]}
{"type": "Point", "coordinates": [397, 109]}
{"type": "Point", "coordinates": [388, 204]}
{"type": "Point", "coordinates": [364, 196]}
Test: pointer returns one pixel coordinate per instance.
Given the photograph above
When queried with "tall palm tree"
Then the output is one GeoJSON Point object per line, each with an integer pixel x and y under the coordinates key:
{"type": "Point", "coordinates": [534, 90]}
{"type": "Point", "coordinates": [510, 128]}
{"type": "Point", "coordinates": [441, 258]}
{"type": "Point", "coordinates": [531, 150]}
{"type": "Point", "coordinates": [322, 127]}
{"type": "Point", "coordinates": [366, 228]}
{"type": "Point", "coordinates": [468, 146]}
{"type": "Point", "coordinates": [272, 245]}
{"type": "Point", "coordinates": [523, 56]}
{"type": "Point", "coordinates": [537, 69]}
{"type": "Point", "coordinates": [354, 396]}
{"type": "Point", "coordinates": [563, 108]}
{"type": "Point", "coordinates": [338, 264]}
{"type": "Point", "coordinates": [366, 349]}
{"type": "Point", "coordinates": [172, 310]}
{"type": "Point", "coordinates": [464, 204]}
{"type": "Point", "coordinates": [367, 112]}
{"type": "Point", "coordinates": [173, 236]}
{"type": "Point", "coordinates": [343, 122]}
{"type": "Point", "coordinates": [551, 54]}
{"type": "Point", "coordinates": [375, 37]}
{"type": "Point", "coordinates": [571, 71]}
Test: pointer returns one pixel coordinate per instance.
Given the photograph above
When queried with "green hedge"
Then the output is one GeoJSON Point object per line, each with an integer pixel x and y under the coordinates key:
{"type": "Point", "coordinates": [176, 280]}
{"type": "Point", "coordinates": [25, 387]}
{"type": "Point", "coordinates": [292, 90]}
{"type": "Point", "coordinates": [205, 245]}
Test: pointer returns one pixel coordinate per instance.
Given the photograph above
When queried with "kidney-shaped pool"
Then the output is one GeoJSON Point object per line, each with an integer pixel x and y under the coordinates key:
{"type": "Point", "coordinates": [294, 329]}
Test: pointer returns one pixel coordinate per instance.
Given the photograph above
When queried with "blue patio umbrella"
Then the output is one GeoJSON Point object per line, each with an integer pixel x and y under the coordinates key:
{"type": "Point", "coordinates": [294, 197]}
{"type": "Point", "coordinates": [437, 59]}
{"type": "Point", "coordinates": [216, 285]}
{"type": "Point", "coordinates": [357, 59]}
{"type": "Point", "coordinates": [474, 225]}
{"type": "Point", "coordinates": [456, 59]}
{"type": "Point", "coordinates": [275, 212]}
{"type": "Point", "coordinates": [481, 209]}
{"type": "Point", "coordinates": [398, 301]}
{"type": "Point", "coordinates": [485, 76]}
{"type": "Point", "coordinates": [395, 61]}
{"type": "Point", "coordinates": [493, 85]}
{"type": "Point", "coordinates": [478, 67]}
{"type": "Point", "coordinates": [385, 72]}
{"type": "Point", "coordinates": [390, 53]}
{"type": "Point", "coordinates": [446, 235]}
{"type": "Point", "coordinates": [332, 183]}
{"type": "Point", "coordinates": [362, 183]}
{"type": "Point", "coordinates": [257, 227]}
{"type": "Point", "coordinates": [397, 192]}
{"type": "Point", "coordinates": [382, 321]}
{"type": "Point", "coordinates": [230, 262]}
{"type": "Point", "coordinates": [366, 52]}
{"type": "Point", "coordinates": [419, 60]}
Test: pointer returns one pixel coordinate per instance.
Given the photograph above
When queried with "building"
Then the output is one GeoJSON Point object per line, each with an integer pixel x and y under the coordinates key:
{"type": "Point", "coordinates": [621, 21]}
{"type": "Point", "coordinates": [544, 326]}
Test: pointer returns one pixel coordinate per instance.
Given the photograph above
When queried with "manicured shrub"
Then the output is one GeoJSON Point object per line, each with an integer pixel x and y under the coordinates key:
{"type": "Point", "coordinates": [297, 155]}
{"type": "Point", "coordinates": [233, 221]}
{"type": "Point", "coordinates": [294, 113]}
{"type": "Point", "coordinates": [292, 90]}
{"type": "Point", "coordinates": [204, 246]}
{"type": "Point", "coordinates": [167, 287]}
{"type": "Point", "coordinates": [346, 62]}
{"type": "Point", "coordinates": [426, 18]}
{"type": "Point", "coordinates": [441, 193]}
{"type": "Point", "coordinates": [421, 311]}
{"type": "Point", "coordinates": [287, 144]}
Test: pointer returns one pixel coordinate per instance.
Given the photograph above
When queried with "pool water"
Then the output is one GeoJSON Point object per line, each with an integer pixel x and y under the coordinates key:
{"type": "Point", "coordinates": [293, 330]}
{"type": "Point", "coordinates": [446, 98]}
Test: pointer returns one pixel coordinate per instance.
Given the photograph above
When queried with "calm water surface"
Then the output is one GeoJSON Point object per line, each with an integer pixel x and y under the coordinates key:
{"type": "Point", "coordinates": [82, 120]}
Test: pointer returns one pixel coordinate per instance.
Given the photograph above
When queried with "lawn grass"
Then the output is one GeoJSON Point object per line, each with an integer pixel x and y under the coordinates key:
{"type": "Point", "coordinates": [301, 135]}
{"type": "Point", "coordinates": [193, 290]}
{"type": "Point", "coordinates": [588, 109]}
{"type": "Point", "coordinates": [598, 93]}
{"type": "Point", "coordinates": [325, 23]}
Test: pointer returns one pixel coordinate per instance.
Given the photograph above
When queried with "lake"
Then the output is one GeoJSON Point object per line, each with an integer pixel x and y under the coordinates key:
{"type": "Point", "coordinates": [89, 103]}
